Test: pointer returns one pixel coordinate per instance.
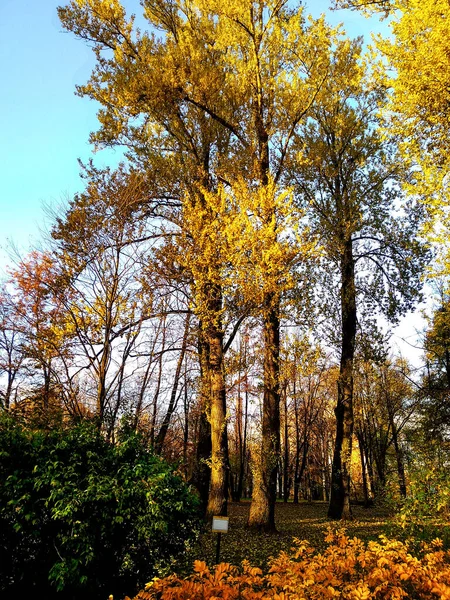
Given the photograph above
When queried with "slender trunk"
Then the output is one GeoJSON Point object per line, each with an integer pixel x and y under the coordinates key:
{"type": "Point", "coordinates": [447, 367]}
{"type": "Point", "coordinates": [339, 507]}
{"type": "Point", "coordinates": [399, 457]}
{"type": "Point", "coordinates": [262, 508]}
{"type": "Point", "coordinates": [297, 446]}
{"type": "Point", "coordinates": [370, 471]}
{"type": "Point", "coordinates": [243, 458]}
{"type": "Point", "coordinates": [367, 499]}
{"type": "Point", "coordinates": [8, 392]}
{"type": "Point", "coordinates": [47, 387]}
{"type": "Point", "coordinates": [236, 481]}
{"type": "Point", "coordinates": [286, 486]}
{"type": "Point", "coordinates": [186, 424]}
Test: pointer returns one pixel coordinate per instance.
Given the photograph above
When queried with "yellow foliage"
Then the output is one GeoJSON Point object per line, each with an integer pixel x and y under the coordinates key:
{"type": "Point", "coordinates": [348, 568]}
{"type": "Point", "coordinates": [242, 237]}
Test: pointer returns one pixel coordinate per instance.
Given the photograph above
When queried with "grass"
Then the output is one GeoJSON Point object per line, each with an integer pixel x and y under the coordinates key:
{"type": "Point", "coordinates": [305, 521]}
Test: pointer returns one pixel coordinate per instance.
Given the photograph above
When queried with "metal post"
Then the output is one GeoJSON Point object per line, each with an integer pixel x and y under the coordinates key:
{"type": "Point", "coordinates": [219, 535]}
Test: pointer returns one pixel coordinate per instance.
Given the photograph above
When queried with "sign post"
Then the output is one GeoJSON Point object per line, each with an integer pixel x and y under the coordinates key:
{"type": "Point", "coordinates": [219, 525]}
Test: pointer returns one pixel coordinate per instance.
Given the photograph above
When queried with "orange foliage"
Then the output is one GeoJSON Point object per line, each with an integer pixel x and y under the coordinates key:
{"type": "Point", "coordinates": [348, 568]}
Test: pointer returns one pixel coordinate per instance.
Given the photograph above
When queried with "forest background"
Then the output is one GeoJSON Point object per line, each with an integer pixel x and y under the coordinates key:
{"type": "Point", "coordinates": [222, 289]}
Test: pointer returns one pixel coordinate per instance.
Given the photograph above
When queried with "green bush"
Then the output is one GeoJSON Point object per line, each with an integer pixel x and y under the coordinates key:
{"type": "Point", "coordinates": [86, 518]}
{"type": "Point", "coordinates": [425, 513]}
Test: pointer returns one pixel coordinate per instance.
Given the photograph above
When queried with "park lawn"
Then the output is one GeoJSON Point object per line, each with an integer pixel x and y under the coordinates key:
{"type": "Point", "coordinates": [306, 520]}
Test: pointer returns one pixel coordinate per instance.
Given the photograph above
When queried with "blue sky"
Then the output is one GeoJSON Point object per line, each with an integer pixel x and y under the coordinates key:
{"type": "Point", "coordinates": [45, 127]}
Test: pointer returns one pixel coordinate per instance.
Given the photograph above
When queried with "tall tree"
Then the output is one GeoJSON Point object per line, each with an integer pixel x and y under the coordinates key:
{"type": "Point", "coordinates": [349, 175]}
{"type": "Point", "coordinates": [417, 58]}
{"type": "Point", "coordinates": [179, 148]}
{"type": "Point", "coordinates": [44, 325]}
{"type": "Point", "coordinates": [215, 90]}
{"type": "Point", "coordinates": [99, 254]}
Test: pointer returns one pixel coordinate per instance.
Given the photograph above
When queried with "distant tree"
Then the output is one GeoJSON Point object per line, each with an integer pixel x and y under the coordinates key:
{"type": "Point", "coordinates": [436, 381]}
{"type": "Point", "coordinates": [387, 402]}
{"type": "Point", "coordinates": [41, 318]}
{"type": "Point", "coordinates": [12, 354]}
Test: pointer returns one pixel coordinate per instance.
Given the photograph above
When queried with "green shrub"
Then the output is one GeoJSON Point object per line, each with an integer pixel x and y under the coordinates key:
{"type": "Point", "coordinates": [81, 516]}
{"type": "Point", "coordinates": [425, 513]}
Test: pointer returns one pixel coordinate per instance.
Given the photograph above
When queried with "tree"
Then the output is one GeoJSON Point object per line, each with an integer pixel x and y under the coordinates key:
{"type": "Point", "coordinates": [436, 380]}
{"type": "Point", "coordinates": [308, 378]}
{"type": "Point", "coordinates": [44, 325]}
{"type": "Point", "coordinates": [348, 174]}
{"type": "Point", "coordinates": [213, 94]}
{"type": "Point", "coordinates": [386, 401]}
{"type": "Point", "coordinates": [418, 61]}
{"type": "Point", "coordinates": [12, 355]}
{"type": "Point", "coordinates": [100, 253]}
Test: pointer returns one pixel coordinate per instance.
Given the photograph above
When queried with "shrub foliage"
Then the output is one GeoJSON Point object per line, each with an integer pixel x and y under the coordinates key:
{"type": "Point", "coordinates": [84, 517]}
{"type": "Point", "coordinates": [348, 568]}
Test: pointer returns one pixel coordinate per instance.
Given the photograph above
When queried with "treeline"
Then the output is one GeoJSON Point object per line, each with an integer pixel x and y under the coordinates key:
{"type": "Point", "coordinates": [221, 288]}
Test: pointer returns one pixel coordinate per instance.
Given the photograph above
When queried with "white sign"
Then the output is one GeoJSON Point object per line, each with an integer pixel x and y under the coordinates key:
{"type": "Point", "coordinates": [220, 524]}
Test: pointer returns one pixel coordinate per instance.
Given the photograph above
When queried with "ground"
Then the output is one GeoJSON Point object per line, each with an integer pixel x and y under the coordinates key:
{"type": "Point", "coordinates": [304, 521]}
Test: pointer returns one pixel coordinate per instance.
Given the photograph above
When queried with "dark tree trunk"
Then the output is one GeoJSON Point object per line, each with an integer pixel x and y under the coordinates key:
{"type": "Point", "coordinates": [201, 474]}
{"type": "Point", "coordinates": [264, 494]}
{"type": "Point", "coordinates": [339, 507]}
{"type": "Point", "coordinates": [286, 486]}
{"type": "Point", "coordinates": [398, 453]}
{"type": "Point", "coordinates": [186, 425]}
{"type": "Point", "coordinates": [262, 508]}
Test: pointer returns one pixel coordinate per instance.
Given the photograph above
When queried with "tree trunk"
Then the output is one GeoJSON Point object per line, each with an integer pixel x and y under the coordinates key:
{"type": "Point", "coordinates": [218, 493]}
{"type": "Point", "coordinates": [216, 405]}
{"type": "Point", "coordinates": [286, 486]}
{"type": "Point", "coordinates": [398, 456]}
{"type": "Point", "coordinates": [367, 500]}
{"type": "Point", "coordinates": [262, 508]}
{"type": "Point", "coordinates": [339, 507]}
{"type": "Point", "coordinates": [201, 474]}
{"type": "Point", "coordinates": [186, 424]}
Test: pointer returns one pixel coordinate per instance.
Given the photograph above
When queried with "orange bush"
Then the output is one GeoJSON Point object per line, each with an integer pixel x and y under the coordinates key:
{"type": "Point", "coordinates": [348, 568]}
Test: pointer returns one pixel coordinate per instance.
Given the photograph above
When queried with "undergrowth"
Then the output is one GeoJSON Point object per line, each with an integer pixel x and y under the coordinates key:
{"type": "Point", "coordinates": [347, 568]}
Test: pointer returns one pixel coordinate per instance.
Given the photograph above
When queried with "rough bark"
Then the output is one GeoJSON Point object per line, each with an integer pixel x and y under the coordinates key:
{"type": "Point", "coordinates": [262, 508]}
{"type": "Point", "coordinates": [218, 492]}
{"type": "Point", "coordinates": [339, 507]}
{"type": "Point", "coordinates": [201, 474]}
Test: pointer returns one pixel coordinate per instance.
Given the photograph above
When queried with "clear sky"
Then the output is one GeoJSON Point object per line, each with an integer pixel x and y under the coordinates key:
{"type": "Point", "coordinates": [44, 126]}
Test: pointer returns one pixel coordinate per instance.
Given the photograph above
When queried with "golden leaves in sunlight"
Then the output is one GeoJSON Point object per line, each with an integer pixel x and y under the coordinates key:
{"type": "Point", "coordinates": [347, 568]}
